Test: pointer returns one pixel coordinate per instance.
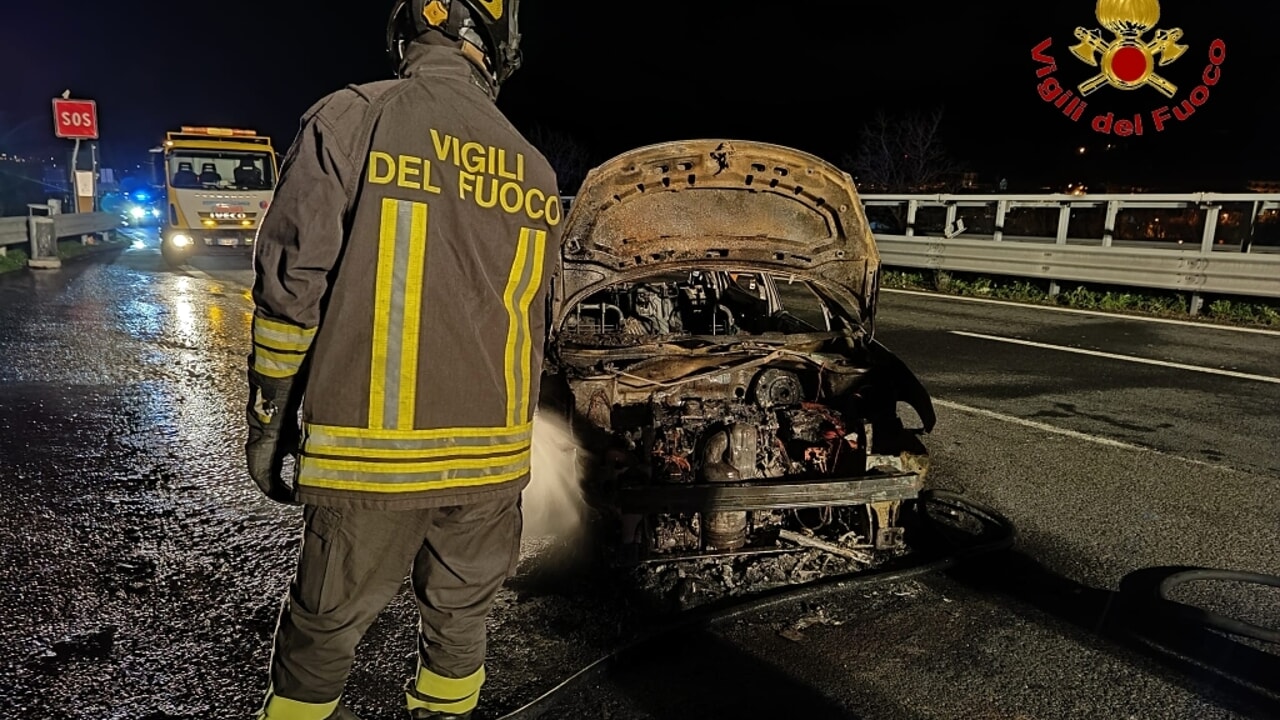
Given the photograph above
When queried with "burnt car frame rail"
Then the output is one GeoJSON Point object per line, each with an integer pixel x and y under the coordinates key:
{"type": "Point", "coordinates": [769, 494]}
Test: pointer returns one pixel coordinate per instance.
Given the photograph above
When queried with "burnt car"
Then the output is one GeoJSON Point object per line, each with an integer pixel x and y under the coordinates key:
{"type": "Point", "coordinates": [711, 344]}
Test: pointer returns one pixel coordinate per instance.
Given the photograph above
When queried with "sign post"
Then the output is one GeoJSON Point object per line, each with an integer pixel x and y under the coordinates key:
{"type": "Point", "coordinates": [77, 120]}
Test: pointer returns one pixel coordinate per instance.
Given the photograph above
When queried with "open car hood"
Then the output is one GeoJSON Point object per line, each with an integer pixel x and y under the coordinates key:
{"type": "Point", "coordinates": [717, 204]}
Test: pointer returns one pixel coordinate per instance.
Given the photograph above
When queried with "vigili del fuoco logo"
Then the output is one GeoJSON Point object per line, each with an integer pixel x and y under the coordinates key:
{"type": "Point", "coordinates": [1127, 54]}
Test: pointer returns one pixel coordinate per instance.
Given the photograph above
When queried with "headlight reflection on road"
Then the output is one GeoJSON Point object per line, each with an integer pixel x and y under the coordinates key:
{"type": "Point", "coordinates": [186, 317]}
{"type": "Point", "coordinates": [183, 309]}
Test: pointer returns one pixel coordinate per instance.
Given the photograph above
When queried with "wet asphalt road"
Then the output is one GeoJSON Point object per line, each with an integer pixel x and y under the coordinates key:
{"type": "Point", "coordinates": [142, 571]}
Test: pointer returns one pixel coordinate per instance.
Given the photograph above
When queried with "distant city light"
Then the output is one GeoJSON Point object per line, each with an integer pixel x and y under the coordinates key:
{"type": "Point", "coordinates": [1081, 150]}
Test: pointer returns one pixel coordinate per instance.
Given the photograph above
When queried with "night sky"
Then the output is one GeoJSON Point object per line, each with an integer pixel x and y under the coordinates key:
{"type": "Point", "coordinates": [619, 75]}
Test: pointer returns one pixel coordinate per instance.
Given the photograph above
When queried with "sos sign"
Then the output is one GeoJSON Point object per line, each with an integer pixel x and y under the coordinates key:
{"type": "Point", "coordinates": [76, 119]}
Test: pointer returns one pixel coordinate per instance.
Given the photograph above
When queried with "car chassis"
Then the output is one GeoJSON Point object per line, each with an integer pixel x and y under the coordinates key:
{"type": "Point", "coordinates": [711, 345]}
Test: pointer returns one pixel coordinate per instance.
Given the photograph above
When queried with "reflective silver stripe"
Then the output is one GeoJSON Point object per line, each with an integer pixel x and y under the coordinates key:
{"type": "Point", "coordinates": [279, 348]}
{"type": "Point", "coordinates": [278, 336]}
{"type": "Point", "coordinates": [397, 314]}
{"type": "Point", "coordinates": [400, 477]}
{"type": "Point", "coordinates": [342, 437]}
{"type": "Point", "coordinates": [276, 364]}
{"type": "Point", "coordinates": [395, 322]}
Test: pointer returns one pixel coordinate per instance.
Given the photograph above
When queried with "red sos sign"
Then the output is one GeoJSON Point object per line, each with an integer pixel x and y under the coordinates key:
{"type": "Point", "coordinates": [76, 119]}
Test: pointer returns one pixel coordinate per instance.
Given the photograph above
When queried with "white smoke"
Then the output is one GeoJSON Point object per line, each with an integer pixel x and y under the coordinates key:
{"type": "Point", "coordinates": [554, 508]}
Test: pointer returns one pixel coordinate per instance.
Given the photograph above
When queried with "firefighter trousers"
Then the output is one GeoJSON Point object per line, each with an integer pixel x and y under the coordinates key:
{"type": "Point", "coordinates": [353, 562]}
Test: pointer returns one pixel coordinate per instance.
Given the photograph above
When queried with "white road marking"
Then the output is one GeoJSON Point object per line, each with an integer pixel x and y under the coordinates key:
{"type": "Point", "coordinates": [1126, 358]}
{"type": "Point", "coordinates": [1086, 437]}
{"type": "Point", "coordinates": [1094, 313]}
{"type": "Point", "coordinates": [1040, 426]}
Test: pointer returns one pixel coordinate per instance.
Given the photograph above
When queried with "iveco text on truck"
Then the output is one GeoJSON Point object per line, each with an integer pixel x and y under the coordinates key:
{"type": "Point", "coordinates": [219, 183]}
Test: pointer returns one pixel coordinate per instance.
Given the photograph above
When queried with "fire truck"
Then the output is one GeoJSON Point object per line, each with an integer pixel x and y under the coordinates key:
{"type": "Point", "coordinates": [219, 183]}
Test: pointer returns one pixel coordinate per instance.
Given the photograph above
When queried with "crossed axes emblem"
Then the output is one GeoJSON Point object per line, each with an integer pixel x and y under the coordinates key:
{"type": "Point", "coordinates": [1163, 46]}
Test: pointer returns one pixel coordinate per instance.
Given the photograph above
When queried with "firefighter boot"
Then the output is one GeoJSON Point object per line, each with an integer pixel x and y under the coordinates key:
{"type": "Point", "coordinates": [434, 697]}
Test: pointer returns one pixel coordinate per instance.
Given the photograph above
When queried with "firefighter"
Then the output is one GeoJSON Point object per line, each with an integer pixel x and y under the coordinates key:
{"type": "Point", "coordinates": [400, 291]}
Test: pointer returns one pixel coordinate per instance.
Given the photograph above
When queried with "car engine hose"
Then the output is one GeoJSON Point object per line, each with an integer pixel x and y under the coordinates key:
{"type": "Point", "coordinates": [1219, 621]}
{"type": "Point", "coordinates": [998, 535]}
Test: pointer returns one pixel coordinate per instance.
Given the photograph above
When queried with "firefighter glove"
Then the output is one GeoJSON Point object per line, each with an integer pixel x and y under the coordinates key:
{"type": "Point", "coordinates": [273, 434]}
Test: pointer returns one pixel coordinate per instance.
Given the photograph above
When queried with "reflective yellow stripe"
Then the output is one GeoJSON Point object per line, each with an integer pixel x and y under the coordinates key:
{"type": "Point", "coordinates": [513, 331]}
{"type": "Point", "coordinates": [309, 477]}
{"type": "Point", "coordinates": [430, 437]}
{"type": "Point", "coordinates": [458, 467]}
{"type": "Point", "coordinates": [275, 335]}
{"type": "Point", "coordinates": [278, 708]}
{"type": "Point", "coordinates": [412, 316]}
{"type": "Point", "coordinates": [279, 348]}
{"type": "Point", "coordinates": [448, 695]}
{"type": "Point", "coordinates": [378, 453]}
{"type": "Point", "coordinates": [394, 461]}
{"type": "Point", "coordinates": [276, 364]}
{"type": "Point", "coordinates": [522, 287]}
{"type": "Point", "coordinates": [526, 350]}
{"type": "Point", "coordinates": [402, 247]}
{"type": "Point", "coordinates": [382, 311]}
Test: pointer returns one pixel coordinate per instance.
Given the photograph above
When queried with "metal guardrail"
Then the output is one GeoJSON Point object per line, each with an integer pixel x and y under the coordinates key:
{"type": "Point", "coordinates": [1218, 273]}
{"type": "Point", "coordinates": [16, 231]}
{"type": "Point", "coordinates": [1188, 247]}
{"type": "Point", "coordinates": [13, 231]}
{"type": "Point", "coordinates": [76, 224]}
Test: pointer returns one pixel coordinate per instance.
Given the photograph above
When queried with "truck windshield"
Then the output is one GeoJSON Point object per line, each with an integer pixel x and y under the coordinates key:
{"type": "Point", "coordinates": [221, 169]}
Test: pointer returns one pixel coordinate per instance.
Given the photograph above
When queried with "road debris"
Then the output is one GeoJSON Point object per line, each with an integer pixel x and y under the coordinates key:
{"type": "Point", "coordinates": [819, 544]}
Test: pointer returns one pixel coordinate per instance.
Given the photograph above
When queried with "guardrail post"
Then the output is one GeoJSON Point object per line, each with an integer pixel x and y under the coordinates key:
{"type": "Point", "coordinates": [912, 207]}
{"type": "Point", "coordinates": [1246, 243]}
{"type": "Point", "coordinates": [1002, 209]}
{"type": "Point", "coordinates": [1210, 228]}
{"type": "Point", "coordinates": [952, 211]}
{"type": "Point", "coordinates": [1064, 226]}
{"type": "Point", "coordinates": [1109, 225]}
{"type": "Point", "coordinates": [1206, 248]}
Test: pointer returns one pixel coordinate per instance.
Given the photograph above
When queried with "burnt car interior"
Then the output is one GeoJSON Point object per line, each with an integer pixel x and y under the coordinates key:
{"type": "Point", "coordinates": [702, 302]}
{"type": "Point", "coordinates": [735, 407]}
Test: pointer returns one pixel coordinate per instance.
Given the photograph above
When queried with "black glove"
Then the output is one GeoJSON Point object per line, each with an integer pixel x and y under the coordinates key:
{"type": "Point", "coordinates": [273, 434]}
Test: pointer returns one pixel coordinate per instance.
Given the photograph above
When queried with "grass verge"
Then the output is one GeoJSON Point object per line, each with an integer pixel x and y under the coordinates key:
{"type": "Point", "coordinates": [1255, 312]}
{"type": "Point", "coordinates": [16, 259]}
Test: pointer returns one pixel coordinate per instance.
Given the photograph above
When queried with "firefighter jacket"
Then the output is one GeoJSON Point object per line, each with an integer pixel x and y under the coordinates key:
{"type": "Point", "coordinates": [401, 277]}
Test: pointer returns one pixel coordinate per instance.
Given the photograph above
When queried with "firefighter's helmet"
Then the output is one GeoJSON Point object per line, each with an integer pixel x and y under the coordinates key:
{"type": "Point", "coordinates": [490, 25]}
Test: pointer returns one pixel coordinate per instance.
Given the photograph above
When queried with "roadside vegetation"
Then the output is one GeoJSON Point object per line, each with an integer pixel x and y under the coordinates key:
{"type": "Point", "coordinates": [1233, 311]}
{"type": "Point", "coordinates": [16, 259]}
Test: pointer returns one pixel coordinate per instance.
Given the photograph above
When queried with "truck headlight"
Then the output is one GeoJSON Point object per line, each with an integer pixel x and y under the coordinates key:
{"type": "Point", "coordinates": [180, 240]}
{"type": "Point", "coordinates": [137, 213]}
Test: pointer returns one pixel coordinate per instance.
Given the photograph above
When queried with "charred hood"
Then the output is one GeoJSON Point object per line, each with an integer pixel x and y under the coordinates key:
{"type": "Point", "coordinates": [718, 203]}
